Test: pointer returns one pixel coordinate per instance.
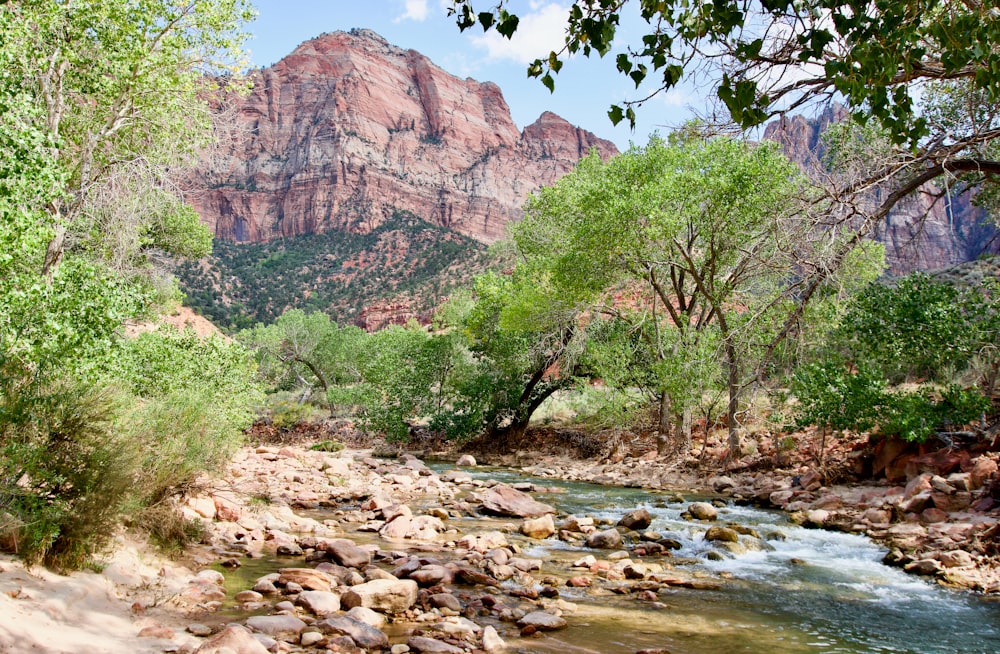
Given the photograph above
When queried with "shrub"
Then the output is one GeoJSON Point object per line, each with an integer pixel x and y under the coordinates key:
{"type": "Point", "coordinates": [65, 471]}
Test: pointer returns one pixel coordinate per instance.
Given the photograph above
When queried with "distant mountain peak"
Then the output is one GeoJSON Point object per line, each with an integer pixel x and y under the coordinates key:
{"type": "Point", "coordinates": [348, 128]}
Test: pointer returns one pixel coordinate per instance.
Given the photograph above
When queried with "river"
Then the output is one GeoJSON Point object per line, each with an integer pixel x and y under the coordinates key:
{"type": "Point", "coordinates": [807, 591]}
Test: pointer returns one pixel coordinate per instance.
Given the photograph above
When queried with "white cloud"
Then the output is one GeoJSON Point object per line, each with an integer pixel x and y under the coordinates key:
{"type": "Point", "coordinates": [415, 10]}
{"type": "Point", "coordinates": [539, 32]}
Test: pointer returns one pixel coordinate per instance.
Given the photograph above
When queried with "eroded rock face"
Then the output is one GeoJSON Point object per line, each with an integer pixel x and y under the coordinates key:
{"type": "Point", "coordinates": [348, 127]}
{"type": "Point", "coordinates": [950, 234]}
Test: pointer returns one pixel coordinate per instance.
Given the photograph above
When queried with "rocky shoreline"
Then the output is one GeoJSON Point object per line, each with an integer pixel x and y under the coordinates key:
{"type": "Point", "coordinates": [382, 568]}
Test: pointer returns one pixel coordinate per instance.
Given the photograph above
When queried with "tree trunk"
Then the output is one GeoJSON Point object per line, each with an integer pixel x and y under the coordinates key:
{"type": "Point", "coordinates": [663, 430]}
{"type": "Point", "coordinates": [54, 252]}
{"type": "Point", "coordinates": [682, 430]}
{"type": "Point", "coordinates": [733, 386]}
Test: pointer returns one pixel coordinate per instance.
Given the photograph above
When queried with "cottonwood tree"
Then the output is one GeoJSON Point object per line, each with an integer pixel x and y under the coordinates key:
{"type": "Point", "coordinates": [309, 352]}
{"type": "Point", "coordinates": [122, 88]}
{"type": "Point", "coordinates": [523, 343]}
{"type": "Point", "coordinates": [709, 236]}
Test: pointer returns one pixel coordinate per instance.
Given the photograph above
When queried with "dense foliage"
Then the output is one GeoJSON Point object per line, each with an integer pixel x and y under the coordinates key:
{"type": "Point", "coordinates": [335, 272]}
{"type": "Point", "coordinates": [101, 102]}
{"type": "Point", "coordinates": [918, 329]}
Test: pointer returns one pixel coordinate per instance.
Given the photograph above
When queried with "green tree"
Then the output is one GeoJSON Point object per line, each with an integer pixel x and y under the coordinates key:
{"type": "Point", "coordinates": [691, 242]}
{"type": "Point", "coordinates": [308, 351]}
{"type": "Point", "coordinates": [525, 343]}
{"type": "Point", "coordinates": [121, 90]}
{"type": "Point", "coordinates": [919, 78]}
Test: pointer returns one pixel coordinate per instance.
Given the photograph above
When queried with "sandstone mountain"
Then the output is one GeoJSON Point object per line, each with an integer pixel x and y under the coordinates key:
{"type": "Point", "coordinates": [920, 234]}
{"type": "Point", "coordinates": [348, 129]}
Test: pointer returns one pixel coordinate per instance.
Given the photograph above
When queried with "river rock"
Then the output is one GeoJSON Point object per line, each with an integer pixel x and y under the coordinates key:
{"type": "Point", "coordinates": [923, 567]}
{"type": "Point", "coordinates": [385, 595]}
{"type": "Point", "coordinates": [364, 635]}
{"type": "Point", "coordinates": [308, 578]}
{"type": "Point", "coordinates": [492, 642]}
{"type": "Point", "coordinates": [369, 617]}
{"type": "Point", "coordinates": [953, 501]}
{"type": "Point", "coordinates": [232, 640]}
{"type": "Point", "coordinates": [577, 524]}
{"type": "Point", "coordinates": [542, 527]}
{"type": "Point", "coordinates": [483, 542]}
{"type": "Point", "coordinates": [504, 500]}
{"type": "Point", "coordinates": [542, 621]}
{"type": "Point", "coordinates": [606, 540]}
{"type": "Point", "coordinates": [722, 534]}
{"type": "Point", "coordinates": [431, 575]}
{"type": "Point", "coordinates": [432, 646]}
{"type": "Point", "coordinates": [445, 601]}
{"type": "Point", "coordinates": [702, 511]}
{"type": "Point", "coordinates": [466, 461]}
{"type": "Point", "coordinates": [279, 627]}
{"type": "Point", "coordinates": [318, 602]}
{"type": "Point", "coordinates": [346, 553]}
{"type": "Point", "coordinates": [981, 470]}
{"type": "Point", "coordinates": [636, 520]}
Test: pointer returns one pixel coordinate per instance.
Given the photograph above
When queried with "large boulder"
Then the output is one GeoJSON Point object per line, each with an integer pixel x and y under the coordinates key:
{"type": "Point", "coordinates": [385, 595]}
{"type": "Point", "coordinates": [506, 501]}
{"type": "Point", "coordinates": [364, 635]}
{"type": "Point", "coordinates": [636, 520]}
{"type": "Point", "coordinates": [605, 540]}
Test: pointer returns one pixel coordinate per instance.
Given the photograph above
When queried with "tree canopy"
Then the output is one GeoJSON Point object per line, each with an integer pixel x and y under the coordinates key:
{"type": "Point", "coordinates": [777, 55]}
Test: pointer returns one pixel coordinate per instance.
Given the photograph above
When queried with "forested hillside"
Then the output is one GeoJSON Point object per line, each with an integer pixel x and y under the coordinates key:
{"type": "Point", "coordinates": [404, 261]}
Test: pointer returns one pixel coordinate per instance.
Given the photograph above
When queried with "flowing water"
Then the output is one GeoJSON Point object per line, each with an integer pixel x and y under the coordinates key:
{"type": "Point", "coordinates": [815, 591]}
{"type": "Point", "coordinates": [810, 591]}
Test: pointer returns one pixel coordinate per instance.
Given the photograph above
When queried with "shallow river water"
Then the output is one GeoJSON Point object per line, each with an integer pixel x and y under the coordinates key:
{"type": "Point", "coordinates": [814, 591]}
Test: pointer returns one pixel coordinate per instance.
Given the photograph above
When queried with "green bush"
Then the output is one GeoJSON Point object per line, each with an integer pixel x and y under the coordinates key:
{"type": "Point", "coordinates": [65, 471]}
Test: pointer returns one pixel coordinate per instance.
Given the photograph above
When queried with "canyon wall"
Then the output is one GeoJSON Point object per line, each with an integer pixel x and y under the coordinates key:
{"type": "Point", "coordinates": [349, 127]}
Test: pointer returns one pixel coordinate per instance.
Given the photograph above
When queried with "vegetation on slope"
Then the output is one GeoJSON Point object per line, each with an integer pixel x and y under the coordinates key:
{"type": "Point", "coordinates": [338, 273]}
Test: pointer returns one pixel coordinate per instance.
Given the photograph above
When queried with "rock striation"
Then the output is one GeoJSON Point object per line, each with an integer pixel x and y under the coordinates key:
{"type": "Point", "coordinates": [920, 234]}
{"type": "Point", "coordinates": [348, 127]}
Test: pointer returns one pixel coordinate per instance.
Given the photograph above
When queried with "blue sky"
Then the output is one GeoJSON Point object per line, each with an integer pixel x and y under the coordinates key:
{"type": "Point", "coordinates": [584, 88]}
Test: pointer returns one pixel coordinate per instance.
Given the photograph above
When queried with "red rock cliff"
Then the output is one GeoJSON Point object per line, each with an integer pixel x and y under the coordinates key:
{"type": "Point", "coordinates": [348, 127]}
{"type": "Point", "coordinates": [919, 234]}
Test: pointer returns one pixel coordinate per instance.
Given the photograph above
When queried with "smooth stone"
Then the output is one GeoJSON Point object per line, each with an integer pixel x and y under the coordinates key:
{"type": "Point", "coordinates": [432, 646]}
{"type": "Point", "coordinates": [543, 621]}
{"type": "Point", "coordinates": [385, 595]}
{"type": "Point", "coordinates": [366, 615]}
{"type": "Point", "coordinates": [504, 500]}
{"type": "Point", "coordinates": [232, 640]}
{"type": "Point", "coordinates": [347, 553]}
{"type": "Point", "coordinates": [636, 520]}
{"type": "Point", "coordinates": [542, 527]}
{"type": "Point", "coordinates": [492, 642]}
{"type": "Point", "coordinates": [319, 602]}
{"type": "Point", "coordinates": [364, 635]}
{"type": "Point", "coordinates": [607, 539]}
{"type": "Point", "coordinates": [702, 511]}
{"type": "Point", "coordinates": [280, 627]}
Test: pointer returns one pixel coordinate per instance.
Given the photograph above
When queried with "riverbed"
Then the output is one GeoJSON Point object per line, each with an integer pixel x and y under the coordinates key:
{"type": "Point", "coordinates": [795, 590]}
